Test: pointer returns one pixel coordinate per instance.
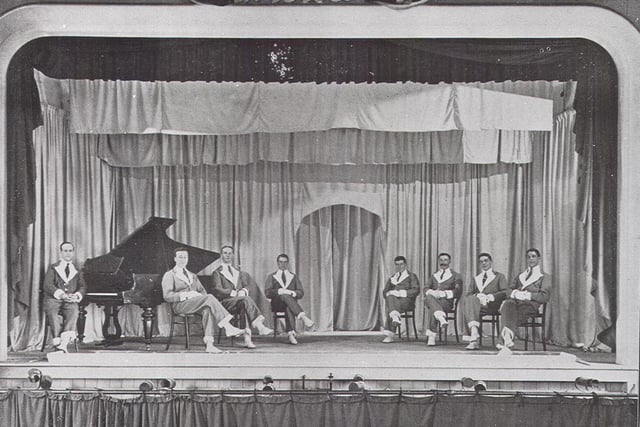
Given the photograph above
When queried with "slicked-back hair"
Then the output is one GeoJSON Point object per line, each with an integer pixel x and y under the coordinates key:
{"type": "Point", "coordinates": [444, 254]}
{"type": "Point", "coordinates": [180, 249]}
{"type": "Point", "coordinates": [487, 254]}
{"type": "Point", "coordinates": [227, 246]}
{"type": "Point", "coordinates": [534, 250]}
{"type": "Point", "coordinates": [400, 258]}
{"type": "Point", "coordinates": [285, 256]}
{"type": "Point", "coordinates": [66, 242]}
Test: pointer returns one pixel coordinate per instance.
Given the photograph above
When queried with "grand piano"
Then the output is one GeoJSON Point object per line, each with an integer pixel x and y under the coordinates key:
{"type": "Point", "coordinates": [131, 273]}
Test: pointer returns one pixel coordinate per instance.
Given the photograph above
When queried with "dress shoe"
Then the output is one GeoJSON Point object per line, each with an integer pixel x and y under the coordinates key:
{"type": "Point", "coordinates": [232, 331]}
{"type": "Point", "coordinates": [209, 347]}
{"type": "Point", "coordinates": [292, 338]}
{"type": "Point", "coordinates": [473, 345]}
{"type": "Point", "coordinates": [308, 323]}
{"type": "Point", "coordinates": [248, 343]}
{"type": "Point", "coordinates": [263, 330]}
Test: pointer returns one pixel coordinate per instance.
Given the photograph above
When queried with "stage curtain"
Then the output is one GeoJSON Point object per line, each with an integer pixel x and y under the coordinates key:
{"type": "Point", "coordinates": [314, 60]}
{"type": "Point", "coordinates": [231, 108]}
{"type": "Point", "coordinates": [339, 250]}
{"type": "Point", "coordinates": [23, 407]}
{"type": "Point", "coordinates": [263, 208]}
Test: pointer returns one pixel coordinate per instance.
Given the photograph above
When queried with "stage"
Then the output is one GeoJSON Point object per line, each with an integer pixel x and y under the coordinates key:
{"type": "Point", "coordinates": [321, 362]}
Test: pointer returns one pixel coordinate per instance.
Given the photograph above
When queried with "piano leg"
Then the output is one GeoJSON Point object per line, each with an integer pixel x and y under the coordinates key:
{"type": "Point", "coordinates": [148, 315]}
{"type": "Point", "coordinates": [111, 314]}
{"type": "Point", "coordinates": [82, 320]}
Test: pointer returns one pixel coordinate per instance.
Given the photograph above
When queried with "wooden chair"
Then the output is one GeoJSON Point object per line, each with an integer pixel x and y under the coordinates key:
{"type": "Point", "coordinates": [276, 316]}
{"type": "Point", "coordinates": [494, 320]}
{"type": "Point", "coordinates": [537, 320]}
{"type": "Point", "coordinates": [182, 319]}
{"type": "Point", "coordinates": [451, 315]}
{"type": "Point", "coordinates": [46, 333]}
{"type": "Point", "coordinates": [409, 314]}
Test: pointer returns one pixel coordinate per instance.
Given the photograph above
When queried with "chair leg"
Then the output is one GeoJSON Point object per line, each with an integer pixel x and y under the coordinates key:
{"type": "Point", "coordinates": [415, 330]}
{"type": "Point", "coordinates": [46, 332]}
{"type": "Point", "coordinates": [187, 332]}
{"type": "Point", "coordinates": [455, 328]}
{"type": "Point", "coordinates": [219, 337]}
{"type": "Point", "coordinates": [170, 333]}
{"type": "Point", "coordinates": [446, 332]}
{"type": "Point", "coordinates": [533, 337]}
{"type": "Point", "coordinates": [275, 326]}
{"type": "Point", "coordinates": [407, 330]}
{"type": "Point", "coordinates": [494, 331]}
{"type": "Point", "coordinates": [480, 329]}
{"type": "Point", "coordinates": [544, 337]}
{"type": "Point", "coordinates": [526, 338]}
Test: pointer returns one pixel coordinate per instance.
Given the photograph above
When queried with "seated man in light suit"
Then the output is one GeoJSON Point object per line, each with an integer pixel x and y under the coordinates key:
{"type": "Point", "coordinates": [484, 297]}
{"type": "Point", "coordinates": [284, 290]}
{"type": "Point", "coordinates": [442, 287]}
{"type": "Point", "coordinates": [528, 291]}
{"type": "Point", "coordinates": [183, 290]}
{"type": "Point", "coordinates": [63, 289]}
{"type": "Point", "coordinates": [400, 294]}
{"type": "Point", "coordinates": [231, 287]}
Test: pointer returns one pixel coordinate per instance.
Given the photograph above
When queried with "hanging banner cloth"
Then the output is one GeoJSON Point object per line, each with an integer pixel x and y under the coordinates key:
{"type": "Point", "coordinates": [232, 108]}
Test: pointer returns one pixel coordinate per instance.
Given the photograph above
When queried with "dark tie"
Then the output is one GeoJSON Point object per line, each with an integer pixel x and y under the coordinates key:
{"type": "Point", "coordinates": [484, 278]}
{"type": "Point", "coordinates": [529, 274]}
{"type": "Point", "coordinates": [67, 271]}
{"type": "Point", "coordinates": [442, 275]}
{"type": "Point", "coordinates": [185, 273]}
{"type": "Point", "coordinates": [229, 270]}
{"type": "Point", "coordinates": [284, 278]}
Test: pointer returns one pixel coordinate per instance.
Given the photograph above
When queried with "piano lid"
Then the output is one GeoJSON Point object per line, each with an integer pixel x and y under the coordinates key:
{"type": "Point", "coordinates": [149, 250]}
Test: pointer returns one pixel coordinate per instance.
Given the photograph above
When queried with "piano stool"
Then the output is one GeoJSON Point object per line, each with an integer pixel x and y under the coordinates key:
{"type": "Point", "coordinates": [46, 333]}
{"type": "Point", "coordinates": [182, 319]}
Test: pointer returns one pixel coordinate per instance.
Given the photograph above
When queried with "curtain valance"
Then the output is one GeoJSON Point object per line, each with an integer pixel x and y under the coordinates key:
{"type": "Point", "coordinates": [232, 108]}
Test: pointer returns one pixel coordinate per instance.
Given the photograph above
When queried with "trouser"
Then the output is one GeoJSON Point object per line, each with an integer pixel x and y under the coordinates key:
{"type": "Point", "coordinates": [514, 312]}
{"type": "Point", "coordinates": [472, 310]}
{"type": "Point", "coordinates": [399, 304]}
{"type": "Point", "coordinates": [207, 306]}
{"type": "Point", "coordinates": [291, 308]}
{"type": "Point", "coordinates": [61, 315]}
{"type": "Point", "coordinates": [433, 304]}
{"type": "Point", "coordinates": [236, 305]}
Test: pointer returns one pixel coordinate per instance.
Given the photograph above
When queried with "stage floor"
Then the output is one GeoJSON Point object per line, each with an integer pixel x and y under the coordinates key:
{"type": "Point", "coordinates": [320, 362]}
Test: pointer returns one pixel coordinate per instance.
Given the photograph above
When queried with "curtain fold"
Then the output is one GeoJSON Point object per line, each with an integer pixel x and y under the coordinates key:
{"type": "Point", "coordinates": [266, 208]}
{"type": "Point", "coordinates": [231, 108]}
{"type": "Point", "coordinates": [338, 60]}
{"type": "Point", "coordinates": [61, 409]}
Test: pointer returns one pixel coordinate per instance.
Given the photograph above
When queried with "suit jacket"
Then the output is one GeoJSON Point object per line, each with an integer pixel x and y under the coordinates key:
{"type": "Point", "coordinates": [274, 282]}
{"type": "Point", "coordinates": [174, 282]}
{"type": "Point", "coordinates": [539, 288]}
{"type": "Point", "coordinates": [497, 287]}
{"type": "Point", "coordinates": [453, 283]}
{"type": "Point", "coordinates": [222, 286]}
{"type": "Point", "coordinates": [53, 280]}
{"type": "Point", "coordinates": [411, 284]}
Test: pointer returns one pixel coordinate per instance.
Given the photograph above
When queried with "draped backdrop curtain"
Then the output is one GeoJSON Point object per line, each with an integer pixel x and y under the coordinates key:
{"type": "Point", "coordinates": [448, 194]}
{"type": "Point", "coordinates": [342, 224]}
{"type": "Point", "coordinates": [21, 407]}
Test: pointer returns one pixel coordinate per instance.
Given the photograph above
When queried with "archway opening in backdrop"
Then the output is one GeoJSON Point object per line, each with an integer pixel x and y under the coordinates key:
{"type": "Point", "coordinates": [339, 250]}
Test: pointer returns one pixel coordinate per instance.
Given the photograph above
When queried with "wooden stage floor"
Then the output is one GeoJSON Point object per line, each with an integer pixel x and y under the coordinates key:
{"type": "Point", "coordinates": [320, 362]}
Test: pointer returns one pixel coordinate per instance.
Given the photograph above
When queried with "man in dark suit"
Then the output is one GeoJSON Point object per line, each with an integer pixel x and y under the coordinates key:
{"type": "Point", "coordinates": [284, 290]}
{"type": "Point", "coordinates": [183, 290]}
{"type": "Point", "coordinates": [400, 294]}
{"type": "Point", "coordinates": [442, 288]}
{"type": "Point", "coordinates": [484, 297]}
{"type": "Point", "coordinates": [63, 289]}
{"type": "Point", "coordinates": [529, 290]}
{"type": "Point", "coordinates": [232, 287]}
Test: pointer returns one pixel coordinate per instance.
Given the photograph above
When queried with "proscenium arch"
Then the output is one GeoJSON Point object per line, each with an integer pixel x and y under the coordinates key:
{"type": "Point", "coordinates": [615, 34]}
